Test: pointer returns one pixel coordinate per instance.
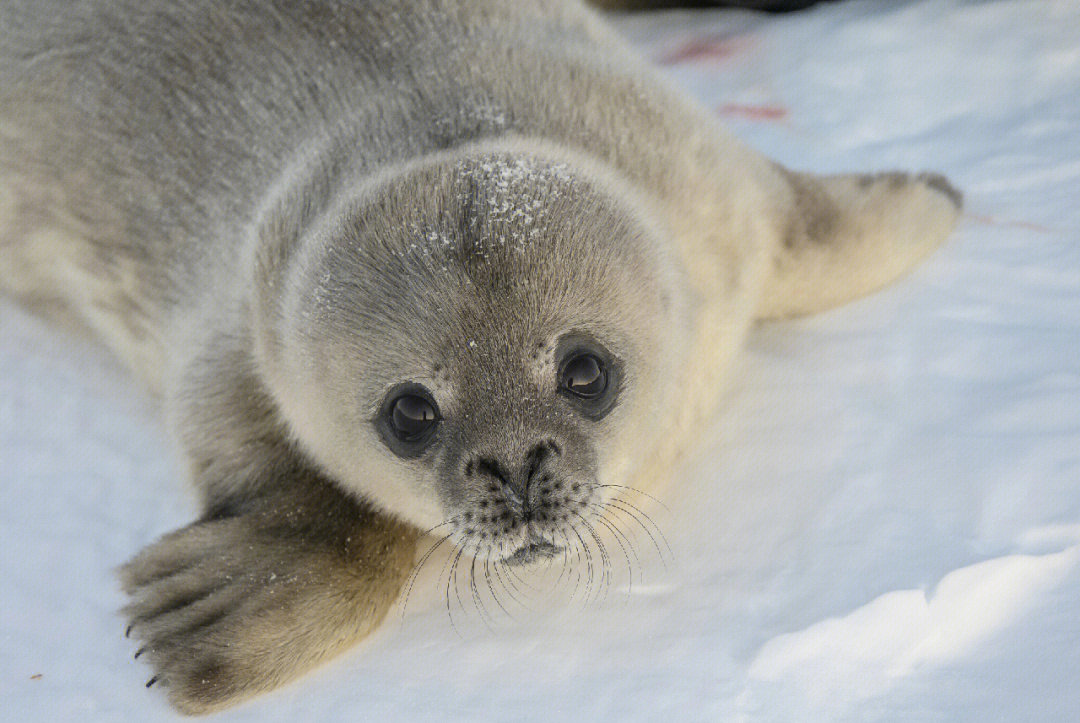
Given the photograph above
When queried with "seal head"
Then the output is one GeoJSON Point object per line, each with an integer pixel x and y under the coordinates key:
{"type": "Point", "coordinates": [482, 340]}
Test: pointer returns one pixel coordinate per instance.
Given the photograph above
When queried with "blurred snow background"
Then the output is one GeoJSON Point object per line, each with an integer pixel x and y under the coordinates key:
{"type": "Point", "coordinates": [884, 524]}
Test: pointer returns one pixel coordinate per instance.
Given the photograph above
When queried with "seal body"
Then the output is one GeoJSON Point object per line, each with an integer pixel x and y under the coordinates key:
{"type": "Point", "coordinates": [395, 266]}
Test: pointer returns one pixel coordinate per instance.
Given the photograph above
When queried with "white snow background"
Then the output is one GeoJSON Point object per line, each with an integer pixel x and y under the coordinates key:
{"type": "Point", "coordinates": [884, 523]}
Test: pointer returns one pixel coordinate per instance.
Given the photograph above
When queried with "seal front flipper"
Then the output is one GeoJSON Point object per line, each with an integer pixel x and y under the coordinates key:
{"type": "Point", "coordinates": [261, 591]}
{"type": "Point", "coordinates": [844, 236]}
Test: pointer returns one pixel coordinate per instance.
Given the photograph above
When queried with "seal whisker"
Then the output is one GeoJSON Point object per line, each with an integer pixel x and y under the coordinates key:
{"type": "Point", "coordinates": [565, 558]}
{"type": "Point", "coordinates": [521, 580]}
{"type": "Point", "coordinates": [602, 515]}
{"type": "Point", "coordinates": [618, 537]}
{"type": "Point", "coordinates": [589, 574]}
{"type": "Point", "coordinates": [600, 519]}
{"type": "Point", "coordinates": [429, 530]}
{"type": "Point", "coordinates": [509, 585]}
{"type": "Point", "coordinates": [449, 580]}
{"type": "Point", "coordinates": [644, 515]}
{"type": "Point", "coordinates": [477, 599]}
{"type": "Point", "coordinates": [635, 490]}
{"type": "Point", "coordinates": [457, 586]}
{"type": "Point", "coordinates": [416, 572]}
{"type": "Point", "coordinates": [578, 565]}
{"type": "Point", "coordinates": [637, 515]}
{"type": "Point", "coordinates": [492, 590]}
{"type": "Point", "coordinates": [605, 559]}
{"type": "Point", "coordinates": [498, 564]}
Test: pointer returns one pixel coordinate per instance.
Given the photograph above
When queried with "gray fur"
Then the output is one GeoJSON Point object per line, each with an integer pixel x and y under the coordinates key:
{"type": "Point", "coordinates": [276, 211]}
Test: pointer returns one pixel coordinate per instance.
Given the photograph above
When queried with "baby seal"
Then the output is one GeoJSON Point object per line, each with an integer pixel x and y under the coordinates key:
{"type": "Point", "coordinates": [396, 265]}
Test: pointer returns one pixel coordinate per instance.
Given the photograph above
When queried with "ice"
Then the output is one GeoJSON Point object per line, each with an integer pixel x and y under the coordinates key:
{"type": "Point", "coordinates": [884, 523]}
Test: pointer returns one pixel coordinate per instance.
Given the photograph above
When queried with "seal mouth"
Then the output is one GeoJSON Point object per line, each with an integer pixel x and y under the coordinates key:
{"type": "Point", "coordinates": [532, 552]}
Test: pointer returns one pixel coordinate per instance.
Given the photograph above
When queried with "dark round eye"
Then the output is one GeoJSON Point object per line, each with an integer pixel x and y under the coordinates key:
{"type": "Point", "coordinates": [407, 420]}
{"type": "Point", "coordinates": [584, 376]}
{"type": "Point", "coordinates": [413, 417]}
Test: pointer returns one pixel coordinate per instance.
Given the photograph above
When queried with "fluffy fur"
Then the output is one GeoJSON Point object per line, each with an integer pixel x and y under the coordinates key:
{"type": "Point", "coordinates": [275, 211]}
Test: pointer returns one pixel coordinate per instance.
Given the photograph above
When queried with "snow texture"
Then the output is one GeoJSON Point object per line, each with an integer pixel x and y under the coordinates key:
{"type": "Point", "coordinates": [884, 523]}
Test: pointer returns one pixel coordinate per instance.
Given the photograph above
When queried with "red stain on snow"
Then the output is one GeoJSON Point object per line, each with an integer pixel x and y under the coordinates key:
{"type": "Point", "coordinates": [753, 112]}
{"type": "Point", "coordinates": [995, 221]}
{"type": "Point", "coordinates": [716, 47]}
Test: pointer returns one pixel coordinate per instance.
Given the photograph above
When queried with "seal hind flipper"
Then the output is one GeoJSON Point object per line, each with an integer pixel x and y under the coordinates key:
{"type": "Point", "coordinates": [848, 235]}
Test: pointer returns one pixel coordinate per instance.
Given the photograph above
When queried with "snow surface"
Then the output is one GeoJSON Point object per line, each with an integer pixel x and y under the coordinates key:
{"type": "Point", "coordinates": [884, 525]}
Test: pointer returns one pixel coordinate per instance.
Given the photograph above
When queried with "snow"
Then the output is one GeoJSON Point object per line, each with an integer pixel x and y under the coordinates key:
{"type": "Point", "coordinates": [884, 523]}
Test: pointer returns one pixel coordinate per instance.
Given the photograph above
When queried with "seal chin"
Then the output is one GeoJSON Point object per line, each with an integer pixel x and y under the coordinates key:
{"type": "Point", "coordinates": [531, 552]}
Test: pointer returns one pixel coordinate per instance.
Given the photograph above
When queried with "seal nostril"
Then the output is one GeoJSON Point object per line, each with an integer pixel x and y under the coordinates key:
{"type": "Point", "coordinates": [491, 468]}
{"type": "Point", "coordinates": [535, 458]}
{"type": "Point", "coordinates": [512, 496]}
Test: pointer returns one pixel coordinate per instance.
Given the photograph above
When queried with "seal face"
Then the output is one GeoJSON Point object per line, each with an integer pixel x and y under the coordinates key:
{"type": "Point", "coordinates": [514, 505]}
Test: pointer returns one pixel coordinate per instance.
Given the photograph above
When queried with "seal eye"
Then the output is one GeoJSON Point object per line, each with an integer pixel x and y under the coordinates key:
{"type": "Point", "coordinates": [412, 417]}
{"type": "Point", "coordinates": [584, 376]}
{"type": "Point", "coordinates": [589, 377]}
{"type": "Point", "coordinates": [408, 419]}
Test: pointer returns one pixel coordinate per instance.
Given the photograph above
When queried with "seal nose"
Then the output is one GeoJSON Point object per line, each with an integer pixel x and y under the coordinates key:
{"type": "Point", "coordinates": [515, 482]}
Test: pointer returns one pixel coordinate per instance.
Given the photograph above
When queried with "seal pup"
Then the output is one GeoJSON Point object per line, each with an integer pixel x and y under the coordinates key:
{"type": "Point", "coordinates": [392, 266]}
